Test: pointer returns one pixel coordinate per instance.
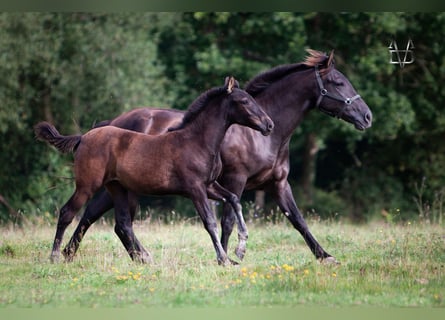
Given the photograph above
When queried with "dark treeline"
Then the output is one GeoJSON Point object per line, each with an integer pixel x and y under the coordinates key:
{"type": "Point", "coordinates": [76, 69]}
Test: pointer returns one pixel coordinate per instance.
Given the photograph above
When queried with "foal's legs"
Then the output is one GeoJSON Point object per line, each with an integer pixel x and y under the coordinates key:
{"type": "Point", "coordinates": [94, 210]}
{"type": "Point", "coordinates": [217, 192]}
{"type": "Point", "coordinates": [236, 185]}
{"type": "Point", "coordinates": [199, 198]}
{"type": "Point", "coordinates": [124, 221]}
{"type": "Point", "coordinates": [66, 216]}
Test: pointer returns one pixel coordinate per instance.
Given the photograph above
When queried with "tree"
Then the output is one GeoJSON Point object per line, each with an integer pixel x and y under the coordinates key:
{"type": "Point", "coordinates": [75, 68]}
{"type": "Point", "coordinates": [203, 46]}
{"type": "Point", "coordinates": [71, 69]}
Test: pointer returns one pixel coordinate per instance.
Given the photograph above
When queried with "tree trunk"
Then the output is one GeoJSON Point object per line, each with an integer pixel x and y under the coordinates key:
{"type": "Point", "coordinates": [46, 103]}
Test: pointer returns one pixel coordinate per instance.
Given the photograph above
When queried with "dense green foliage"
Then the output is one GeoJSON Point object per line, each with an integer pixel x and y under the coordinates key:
{"type": "Point", "coordinates": [74, 69]}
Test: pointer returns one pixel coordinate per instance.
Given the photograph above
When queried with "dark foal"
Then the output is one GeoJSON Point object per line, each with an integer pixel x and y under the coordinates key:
{"type": "Point", "coordinates": [185, 162]}
{"type": "Point", "coordinates": [251, 161]}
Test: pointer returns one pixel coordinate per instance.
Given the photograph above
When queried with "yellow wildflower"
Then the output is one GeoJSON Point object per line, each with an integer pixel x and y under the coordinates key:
{"type": "Point", "coordinates": [287, 267]}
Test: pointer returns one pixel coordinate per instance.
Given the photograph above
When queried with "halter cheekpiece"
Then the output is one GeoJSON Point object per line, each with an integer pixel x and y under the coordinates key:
{"type": "Point", "coordinates": [324, 93]}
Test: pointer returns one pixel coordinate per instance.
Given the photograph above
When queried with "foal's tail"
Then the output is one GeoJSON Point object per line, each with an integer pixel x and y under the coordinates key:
{"type": "Point", "coordinates": [47, 132]}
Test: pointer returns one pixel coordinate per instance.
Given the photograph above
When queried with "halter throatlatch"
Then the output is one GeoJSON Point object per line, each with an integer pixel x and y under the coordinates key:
{"type": "Point", "coordinates": [324, 93]}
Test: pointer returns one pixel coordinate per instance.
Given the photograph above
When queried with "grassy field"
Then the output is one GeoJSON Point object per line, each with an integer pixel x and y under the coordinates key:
{"type": "Point", "coordinates": [381, 265]}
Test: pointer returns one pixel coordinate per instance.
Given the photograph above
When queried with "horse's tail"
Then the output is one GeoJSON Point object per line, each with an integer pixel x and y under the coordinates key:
{"type": "Point", "coordinates": [47, 132]}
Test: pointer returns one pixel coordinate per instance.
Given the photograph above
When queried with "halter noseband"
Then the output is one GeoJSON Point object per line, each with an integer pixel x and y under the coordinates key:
{"type": "Point", "coordinates": [324, 93]}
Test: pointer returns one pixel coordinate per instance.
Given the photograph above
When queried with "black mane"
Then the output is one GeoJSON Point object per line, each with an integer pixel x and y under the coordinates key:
{"type": "Point", "coordinates": [198, 105]}
{"type": "Point", "coordinates": [316, 58]}
{"type": "Point", "coordinates": [256, 85]}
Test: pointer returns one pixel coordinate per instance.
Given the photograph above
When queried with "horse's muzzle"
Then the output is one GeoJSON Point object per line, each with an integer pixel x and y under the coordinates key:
{"type": "Point", "coordinates": [268, 127]}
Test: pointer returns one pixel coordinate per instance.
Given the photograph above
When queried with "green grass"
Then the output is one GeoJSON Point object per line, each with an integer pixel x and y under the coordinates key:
{"type": "Point", "coordinates": [381, 265]}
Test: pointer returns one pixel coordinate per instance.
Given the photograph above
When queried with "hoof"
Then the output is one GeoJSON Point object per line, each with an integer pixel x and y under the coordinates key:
{"type": "Point", "coordinates": [240, 252]}
{"type": "Point", "coordinates": [329, 261]}
{"type": "Point", "coordinates": [228, 262]}
{"type": "Point", "coordinates": [54, 257]}
{"type": "Point", "coordinates": [225, 263]}
{"type": "Point", "coordinates": [68, 255]}
{"type": "Point", "coordinates": [68, 258]}
{"type": "Point", "coordinates": [142, 258]}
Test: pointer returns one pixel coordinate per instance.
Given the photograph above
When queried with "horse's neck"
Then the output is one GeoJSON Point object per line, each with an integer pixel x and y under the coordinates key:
{"type": "Point", "coordinates": [287, 103]}
{"type": "Point", "coordinates": [208, 129]}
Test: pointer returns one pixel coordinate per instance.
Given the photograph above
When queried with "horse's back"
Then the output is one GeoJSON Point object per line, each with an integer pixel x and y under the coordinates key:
{"type": "Point", "coordinates": [151, 121]}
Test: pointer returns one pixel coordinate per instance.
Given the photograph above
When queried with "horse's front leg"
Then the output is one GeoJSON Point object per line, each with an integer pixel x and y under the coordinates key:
{"type": "Point", "coordinates": [199, 198]}
{"type": "Point", "coordinates": [218, 191]}
{"type": "Point", "coordinates": [285, 200]}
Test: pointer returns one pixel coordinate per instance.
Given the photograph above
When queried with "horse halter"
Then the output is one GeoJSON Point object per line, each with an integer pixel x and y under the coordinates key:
{"type": "Point", "coordinates": [324, 93]}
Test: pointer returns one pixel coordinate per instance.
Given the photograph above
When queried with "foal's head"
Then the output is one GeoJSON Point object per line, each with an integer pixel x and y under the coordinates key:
{"type": "Point", "coordinates": [244, 110]}
{"type": "Point", "coordinates": [240, 108]}
{"type": "Point", "coordinates": [336, 96]}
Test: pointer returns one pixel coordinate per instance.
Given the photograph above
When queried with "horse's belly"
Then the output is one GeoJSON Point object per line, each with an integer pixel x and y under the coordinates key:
{"type": "Point", "coordinates": [148, 180]}
{"type": "Point", "coordinates": [259, 178]}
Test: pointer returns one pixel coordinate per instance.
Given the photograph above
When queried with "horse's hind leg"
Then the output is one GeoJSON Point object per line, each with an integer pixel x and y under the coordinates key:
{"type": "Point", "coordinates": [201, 203]}
{"type": "Point", "coordinates": [95, 209]}
{"type": "Point", "coordinates": [124, 220]}
{"type": "Point", "coordinates": [133, 204]}
{"type": "Point", "coordinates": [66, 216]}
{"type": "Point", "coordinates": [216, 190]}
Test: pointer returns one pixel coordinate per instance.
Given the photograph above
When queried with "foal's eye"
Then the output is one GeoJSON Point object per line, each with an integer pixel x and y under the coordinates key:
{"type": "Point", "coordinates": [244, 101]}
{"type": "Point", "coordinates": [336, 83]}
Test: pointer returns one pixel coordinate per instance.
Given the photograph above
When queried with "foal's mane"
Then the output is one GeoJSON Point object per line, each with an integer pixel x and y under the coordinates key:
{"type": "Point", "coordinates": [263, 80]}
{"type": "Point", "coordinates": [198, 105]}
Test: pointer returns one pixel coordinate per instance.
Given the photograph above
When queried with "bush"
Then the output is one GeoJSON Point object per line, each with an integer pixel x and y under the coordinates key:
{"type": "Point", "coordinates": [372, 193]}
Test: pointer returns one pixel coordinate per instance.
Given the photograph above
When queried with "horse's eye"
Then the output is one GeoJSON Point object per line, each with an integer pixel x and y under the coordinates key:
{"type": "Point", "coordinates": [244, 101]}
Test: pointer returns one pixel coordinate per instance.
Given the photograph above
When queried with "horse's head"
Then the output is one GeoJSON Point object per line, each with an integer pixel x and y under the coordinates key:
{"type": "Point", "coordinates": [244, 110]}
{"type": "Point", "coordinates": [337, 97]}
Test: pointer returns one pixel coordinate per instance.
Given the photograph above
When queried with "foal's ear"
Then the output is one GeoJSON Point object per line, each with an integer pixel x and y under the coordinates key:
{"type": "Point", "coordinates": [231, 83]}
{"type": "Point", "coordinates": [331, 58]}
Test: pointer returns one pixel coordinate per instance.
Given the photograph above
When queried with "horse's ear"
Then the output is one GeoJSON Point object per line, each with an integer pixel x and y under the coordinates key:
{"type": "Point", "coordinates": [230, 84]}
{"type": "Point", "coordinates": [331, 58]}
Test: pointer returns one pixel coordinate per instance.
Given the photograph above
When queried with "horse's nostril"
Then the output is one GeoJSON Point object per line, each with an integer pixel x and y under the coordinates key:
{"type": "Point", "coordinates": [368, 117]}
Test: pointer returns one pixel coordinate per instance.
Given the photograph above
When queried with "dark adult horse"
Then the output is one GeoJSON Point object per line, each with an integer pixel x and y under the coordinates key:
{"type": "Point", "coordinates": [251, 161]}
{"type": "Point", "coordinates": [185, 161]}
